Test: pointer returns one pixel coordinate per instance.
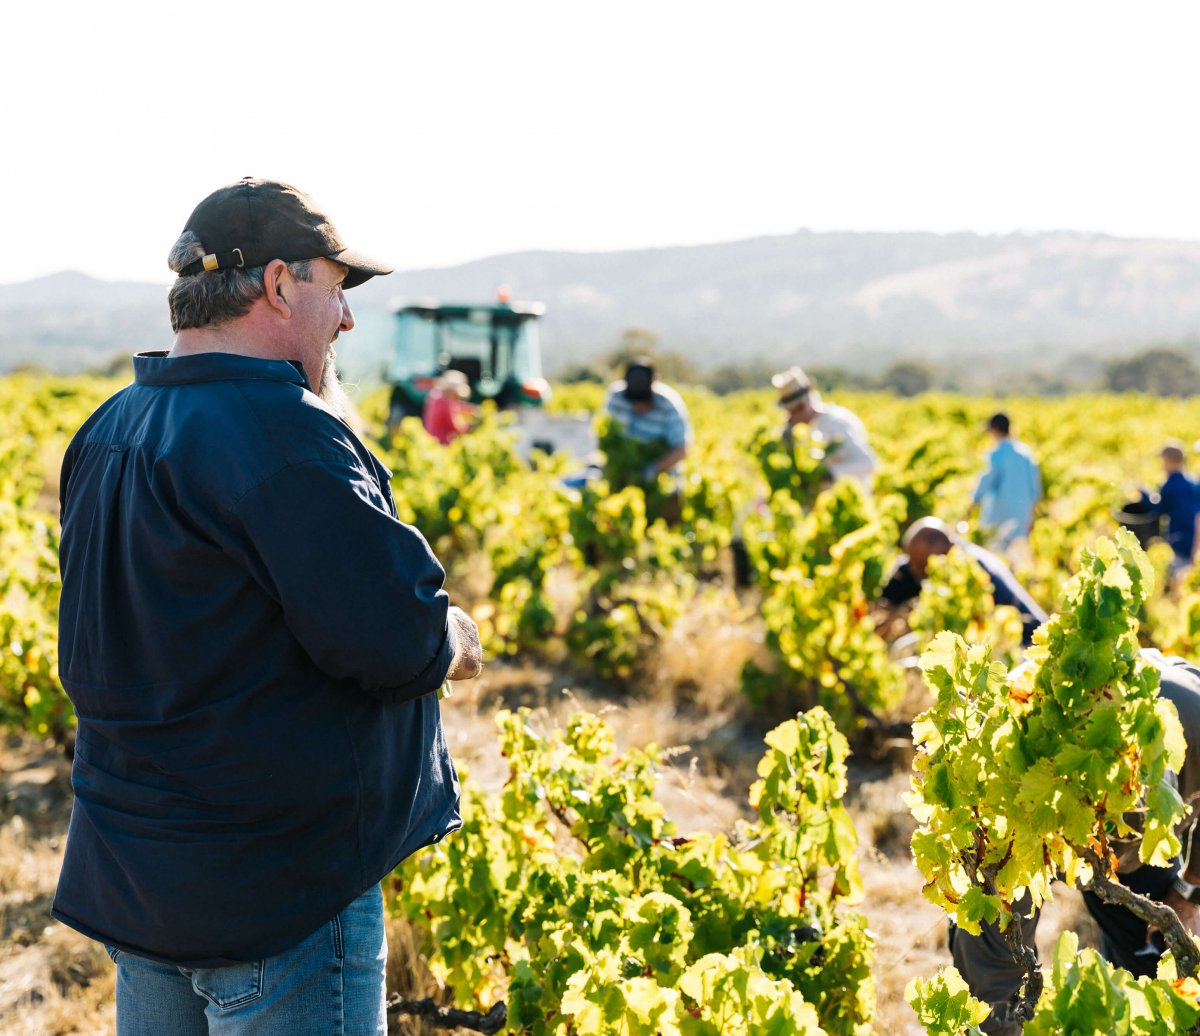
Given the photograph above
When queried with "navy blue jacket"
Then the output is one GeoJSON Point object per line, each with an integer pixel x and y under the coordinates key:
{"type": "Point", "coordinates": [1177, 500]}
{"type": "Point", "coordinates": [250, 638]}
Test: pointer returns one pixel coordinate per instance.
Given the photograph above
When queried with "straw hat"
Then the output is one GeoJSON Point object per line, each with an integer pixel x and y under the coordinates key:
{"type": "Point", "coordinates": [792, 385]}
{"type": "Point", "coordinates": [455, 383]}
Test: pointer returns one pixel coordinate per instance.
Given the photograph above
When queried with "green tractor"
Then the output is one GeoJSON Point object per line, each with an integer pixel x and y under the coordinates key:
{"type": "Point", "coordinates": [496, 346]}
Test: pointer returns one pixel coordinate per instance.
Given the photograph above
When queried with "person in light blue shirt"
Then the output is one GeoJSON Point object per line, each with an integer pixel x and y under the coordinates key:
{"type": "Point", "coordinates": [1009, 489]}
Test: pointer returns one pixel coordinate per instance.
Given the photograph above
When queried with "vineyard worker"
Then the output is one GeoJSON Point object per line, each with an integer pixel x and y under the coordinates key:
{"type": "Point", "coordinates": [984, 960]}
{"type": "Point", "coordinates": [649, 411]}
{"type": "Point", "coordinates": [929, 536]}
{"type": "Point", "coordinates": [849, 454]}
{"type": "Point", "coordinates": [253, 644]}
{"type": "Point", "coordinates": [448, 413]}
{"type": "Point", "coordinates": [1009, 488]}
{"type": "Point", "coordinates": [1176, 500]}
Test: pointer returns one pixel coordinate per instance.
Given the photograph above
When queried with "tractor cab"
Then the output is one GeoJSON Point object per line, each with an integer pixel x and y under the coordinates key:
{"type": "Point", "coordinates": [495, 345]}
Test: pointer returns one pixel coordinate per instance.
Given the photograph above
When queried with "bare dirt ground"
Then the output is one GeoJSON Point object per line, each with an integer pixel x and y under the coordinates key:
{"type": "Point", "coordinates": [54, 982]}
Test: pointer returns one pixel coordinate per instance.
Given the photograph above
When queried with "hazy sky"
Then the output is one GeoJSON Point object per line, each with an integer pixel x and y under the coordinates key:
{"type": "Point", "coordinates": [442, 132]}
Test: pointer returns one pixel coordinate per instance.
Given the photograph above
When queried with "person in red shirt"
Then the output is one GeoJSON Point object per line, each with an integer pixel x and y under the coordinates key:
{"type": "Point", "coordinates": [447, 413]}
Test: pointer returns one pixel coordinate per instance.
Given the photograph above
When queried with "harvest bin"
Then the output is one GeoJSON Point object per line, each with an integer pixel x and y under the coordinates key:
{"type": "Point", "coordinates": [1140, 519]}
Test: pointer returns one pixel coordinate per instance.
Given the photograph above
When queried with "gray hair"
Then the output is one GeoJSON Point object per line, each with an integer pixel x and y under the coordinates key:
{"type": "Point", "coordinates": [211, 297]}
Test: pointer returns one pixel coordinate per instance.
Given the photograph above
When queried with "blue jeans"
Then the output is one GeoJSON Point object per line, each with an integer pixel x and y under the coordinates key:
{"type": "Point", "coordinates": [329, 984]}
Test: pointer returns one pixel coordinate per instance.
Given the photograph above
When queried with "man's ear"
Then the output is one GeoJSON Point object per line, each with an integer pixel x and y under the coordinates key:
{"type": "Point", "coordinates": [277, 286]}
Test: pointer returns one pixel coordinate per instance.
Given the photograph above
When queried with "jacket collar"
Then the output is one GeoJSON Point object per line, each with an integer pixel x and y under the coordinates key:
{"type": "Point", "coordinates": [157, 368]}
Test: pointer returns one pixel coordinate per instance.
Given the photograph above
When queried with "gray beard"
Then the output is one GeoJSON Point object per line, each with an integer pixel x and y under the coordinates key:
{"type": "Point", "coordinates": [332, 392]}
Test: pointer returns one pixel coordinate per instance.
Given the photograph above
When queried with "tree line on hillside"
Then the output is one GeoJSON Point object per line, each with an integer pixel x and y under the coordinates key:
{"type": "Point", "coordinates": [1168, 370]}
{"type": "Point", "coordinates": [1159, 370]}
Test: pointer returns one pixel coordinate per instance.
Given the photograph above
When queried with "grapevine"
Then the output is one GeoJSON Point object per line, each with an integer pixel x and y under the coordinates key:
{"type": "Point", "coordinates": [1043, 772]}
{"type": "Point", "coordinates": [574, 897]}
{"type": "Point", "coordinates": [818, 569]}
{"type": "Point", "coordinates": [956, 597]}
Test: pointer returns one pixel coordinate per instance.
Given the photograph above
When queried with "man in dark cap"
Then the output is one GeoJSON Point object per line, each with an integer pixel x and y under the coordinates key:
{"type": "Point", "coordinates": [1176, 500]}
{"type": "Point", "coordinates": [253, 643]}
{"type": "Point", "coordinates": [649, 411]}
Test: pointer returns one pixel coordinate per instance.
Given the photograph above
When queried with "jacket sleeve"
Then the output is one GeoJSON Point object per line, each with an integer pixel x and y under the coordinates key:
{"type": "Point", "coordinates": [360, 590]}
{"type": "Point", "coordinates": [902, 586]}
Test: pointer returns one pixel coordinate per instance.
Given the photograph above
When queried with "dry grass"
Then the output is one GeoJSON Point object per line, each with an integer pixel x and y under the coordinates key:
{"type": "Point", "coordinates": [33, 783]}
{"type": "Point", "coordinates": [409, 976]}
{"type": "Point", "coordinates": [910, 938]}
{"type": "Point", "coordinates": [699, 662]}
{"type": "Point", "coordinates": [64, 985]}
{"type": "Point", "coordinates": [884, 823]}
{"type": "Point", "coordinates": [910, 933]}
{"type": "Point", "coordinates": [26, 866]}
{"type": "Point", "coordinates": [53, 982]}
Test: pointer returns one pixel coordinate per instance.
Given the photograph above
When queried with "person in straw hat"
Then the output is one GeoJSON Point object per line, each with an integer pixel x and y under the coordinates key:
{"type": "Point", "coordinates": [848, 454]}
{"type": "Point", "coordinates": [448, 411]}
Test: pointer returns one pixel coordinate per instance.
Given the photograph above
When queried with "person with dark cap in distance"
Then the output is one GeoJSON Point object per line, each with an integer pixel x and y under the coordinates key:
{"type": "Point", "coordinates": [254, 645]}
{"type": "Point", "coordinates": [1009, 488]}
{"type": "Point", "coordinates": [649, 411]}
{"type": "Point", "coordinates": [848, 455]}
{"type": "Point", "coordinates": [1176, 500]}
{"type": "Point", "coordinates": [929, 536]}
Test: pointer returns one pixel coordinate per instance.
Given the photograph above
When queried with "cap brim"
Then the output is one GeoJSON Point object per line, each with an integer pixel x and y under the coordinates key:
{"type": "Point", "coordinates": [362, 267]}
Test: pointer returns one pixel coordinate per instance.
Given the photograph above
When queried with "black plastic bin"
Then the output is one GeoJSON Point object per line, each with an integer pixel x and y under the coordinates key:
{"type": "Point", "coordinates": [1140, 519]}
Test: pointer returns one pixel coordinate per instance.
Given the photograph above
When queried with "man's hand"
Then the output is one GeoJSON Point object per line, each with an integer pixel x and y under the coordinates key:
{"type": "Point", "coordinates": [468, 655]}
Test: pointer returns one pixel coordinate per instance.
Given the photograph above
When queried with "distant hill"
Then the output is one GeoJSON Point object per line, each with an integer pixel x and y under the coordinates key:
{"type": "Point", "coordinates": [70, 321]}
{"type": "Point", "coordinates": [985, 304]}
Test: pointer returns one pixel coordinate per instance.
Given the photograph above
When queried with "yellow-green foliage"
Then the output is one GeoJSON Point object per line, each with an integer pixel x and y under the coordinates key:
{"type": "Point", "coordinates": [37, 417]}
{"type": "Point", "coordinates": [957, 598]}
{"type": "Point", "coordinates": [548, 569]}
{"type": "Point", "coordinates": [1023, 777]}
{"type": "Point", "coordinates": [573, 895]}
{"type": "Point", "coordinates": [638, 929]}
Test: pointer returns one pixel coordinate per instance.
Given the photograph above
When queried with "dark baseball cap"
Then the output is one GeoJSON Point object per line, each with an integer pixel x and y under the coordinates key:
{"type": "Point", "coordinates": [639, 382]}
{"type": "Point", "coordinates": [251, 222]}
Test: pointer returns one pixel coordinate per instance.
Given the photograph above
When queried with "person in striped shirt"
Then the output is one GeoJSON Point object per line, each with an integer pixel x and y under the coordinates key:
{"type": "Point", "coordinates": [649, 411]}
